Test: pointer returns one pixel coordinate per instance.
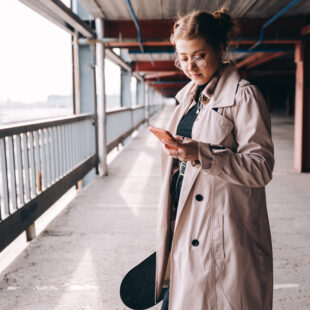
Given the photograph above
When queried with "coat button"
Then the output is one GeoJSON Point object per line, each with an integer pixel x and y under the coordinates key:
{"type": "Point", "coordinates": [199, 197]}
{"type": "Point", "coordinates": [195, 242]}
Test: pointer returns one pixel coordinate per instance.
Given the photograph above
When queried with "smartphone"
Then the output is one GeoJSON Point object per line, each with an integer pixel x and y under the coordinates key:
{"type": "Point", "coordinates": [163, 134]}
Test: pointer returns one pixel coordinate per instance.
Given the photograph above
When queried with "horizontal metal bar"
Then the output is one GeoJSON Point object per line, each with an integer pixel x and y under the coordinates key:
{"type": "Point", "coordinates": [117, 59]}
{"type": "Point", "coordinates": [138, 76]}
{"type": "Point", "coordinates": [31, 126]}
{"type": "Point", "coordinates": [153, 51]}
{"type": "Point", "coordinates": [57, 12]}
{"type": "Point", "coordinates": [20, 220]}
{"type": "Point", "coordinates": [168, 82]}
{"type": "Point", "coordinates": [117, 110]}
{"type": "Point", "coordinates": [166, 45]}
{"type": "Point", "coordinates": [120, 110]}
{"type": "Point", "coordinates": [118, 140]}
{"type": "Point", "coordinates": [138, 107]}
{"type": "Point", "coordinates": [261, 50]}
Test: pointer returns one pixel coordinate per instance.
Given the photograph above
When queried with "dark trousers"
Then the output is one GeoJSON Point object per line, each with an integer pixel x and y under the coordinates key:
{"type": "Point", "coordinates": [165, 303]}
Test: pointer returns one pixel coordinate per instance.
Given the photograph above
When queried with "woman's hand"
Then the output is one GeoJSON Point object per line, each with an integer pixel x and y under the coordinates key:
{"type": "Point", "coordinates": [187, 148]}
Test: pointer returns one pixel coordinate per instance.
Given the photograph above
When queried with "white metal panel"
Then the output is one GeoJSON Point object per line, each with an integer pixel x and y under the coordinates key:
{"type": "Point", "coordinates": [19, 170]}
{"type": "Point", "coordinates": [11, 173]}
{"type": "Point", "coordinates": [4, 192]}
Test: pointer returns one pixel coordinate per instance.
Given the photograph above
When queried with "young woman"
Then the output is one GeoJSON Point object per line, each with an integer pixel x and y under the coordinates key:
{"type": "Point", "coordinates": [213, 244]}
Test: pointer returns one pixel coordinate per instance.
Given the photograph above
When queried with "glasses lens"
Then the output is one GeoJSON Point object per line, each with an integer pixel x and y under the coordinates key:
{"type": "Point", "coordinates": [199, 61]}
{"type": "Point", "coordinates": [177, 63]}
{"type": "Point", "coordinates": [196, 60]}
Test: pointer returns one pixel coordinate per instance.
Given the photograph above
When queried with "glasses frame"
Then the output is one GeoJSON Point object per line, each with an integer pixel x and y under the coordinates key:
{"type": "Point", "coordinates": [195, 59]}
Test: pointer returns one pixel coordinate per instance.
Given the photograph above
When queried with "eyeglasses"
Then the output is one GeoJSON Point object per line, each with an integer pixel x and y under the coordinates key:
{"type": "Point", "coordinates": [183, 64]}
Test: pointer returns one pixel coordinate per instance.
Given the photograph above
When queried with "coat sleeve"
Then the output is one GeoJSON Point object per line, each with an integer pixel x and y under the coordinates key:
{"type": "Point", "coordinates": [253, 162]}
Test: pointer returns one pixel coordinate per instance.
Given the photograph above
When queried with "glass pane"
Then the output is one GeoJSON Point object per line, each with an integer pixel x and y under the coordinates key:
{"type": "Point", "coordinates": [35, 66]}
{"type": "Point", "coordinates": [133, 89]}
{"type": "Point", "coordinates": [112, 84]}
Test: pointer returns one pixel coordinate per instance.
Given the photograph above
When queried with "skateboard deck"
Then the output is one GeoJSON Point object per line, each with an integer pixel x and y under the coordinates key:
{"type": "Point", "coordinates": [137, 289]}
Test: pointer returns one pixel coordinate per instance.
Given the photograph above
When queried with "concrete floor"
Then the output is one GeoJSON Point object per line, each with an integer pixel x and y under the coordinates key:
{"type": "Point", "coordinates": [79, 260]}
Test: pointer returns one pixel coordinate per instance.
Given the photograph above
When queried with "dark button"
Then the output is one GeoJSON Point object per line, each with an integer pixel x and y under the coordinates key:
{"type": "Point", "coordinates": [195, 242]}
{"type": "Point", "coordinates": [199, 197]}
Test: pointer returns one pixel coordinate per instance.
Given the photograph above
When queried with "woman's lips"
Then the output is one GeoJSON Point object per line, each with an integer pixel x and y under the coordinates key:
{"type": "Point", "coordinates": [195, 75]}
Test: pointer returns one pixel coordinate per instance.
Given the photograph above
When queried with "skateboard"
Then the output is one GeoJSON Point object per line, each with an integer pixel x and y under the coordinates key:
{"type": "Point", "coordinates": [137, 289]}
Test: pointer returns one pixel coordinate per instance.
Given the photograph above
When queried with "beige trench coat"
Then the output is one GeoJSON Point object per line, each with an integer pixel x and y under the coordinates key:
{"type": "Point", "coordinates": [231, 268]}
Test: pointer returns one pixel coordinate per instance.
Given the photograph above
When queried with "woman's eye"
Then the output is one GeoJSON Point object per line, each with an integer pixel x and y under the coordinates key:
{"type": "Point", "coordinates": [183, 59]}
{"type": "Point", "coordinates": [202, 56]}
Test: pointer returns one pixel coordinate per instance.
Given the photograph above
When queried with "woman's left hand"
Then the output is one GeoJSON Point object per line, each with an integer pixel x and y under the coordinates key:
{"type": "Point", "coordinates": [187, 149]}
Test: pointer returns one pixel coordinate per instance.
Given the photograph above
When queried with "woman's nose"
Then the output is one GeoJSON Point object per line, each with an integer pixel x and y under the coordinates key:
{"type": "Point", "coordinates": [191, 65]}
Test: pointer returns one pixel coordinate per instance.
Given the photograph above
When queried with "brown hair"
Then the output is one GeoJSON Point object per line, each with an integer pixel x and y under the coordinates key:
{"type": "Point", "coordinates": [215, 28]}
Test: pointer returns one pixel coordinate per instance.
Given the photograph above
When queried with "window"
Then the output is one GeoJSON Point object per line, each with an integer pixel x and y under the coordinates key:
{"type": "Point", "coordinates": [112, 84]}
{"type": "Point", "coordinates": [133, 90]}
{"type": "Point", "coordinates": [35, 66]}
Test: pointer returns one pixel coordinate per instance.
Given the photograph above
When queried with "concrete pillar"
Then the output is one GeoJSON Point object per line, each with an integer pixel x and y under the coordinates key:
{"type": "Point", "coordinates": [85, 87]}
{"type": "Point", "coordinates": [140, 93]}
{"type": "Point", "coordinates": [302, 108]}
{"type": "Point", "coordinates": [147, 103]}
{"type": "Point", "coordinates": [101, 101]}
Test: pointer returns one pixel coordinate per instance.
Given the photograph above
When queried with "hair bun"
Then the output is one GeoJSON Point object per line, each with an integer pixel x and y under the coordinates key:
{"type": "Point", "coordinates": [224, 20]}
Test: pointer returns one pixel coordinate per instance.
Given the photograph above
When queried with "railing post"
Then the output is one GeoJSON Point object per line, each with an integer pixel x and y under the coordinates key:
{"type": "Point", "coordinates": [101, 101]}
{"type": "Point", "coordinates": [84, 81]}
{"type": "Point", "coordinates": [31, 232]}
{"type": "Point", "coordinates": [147, 103]}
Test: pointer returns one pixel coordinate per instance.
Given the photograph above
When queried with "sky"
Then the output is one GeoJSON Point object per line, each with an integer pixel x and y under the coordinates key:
{"type": "Point", "coordinates": [35, 56]}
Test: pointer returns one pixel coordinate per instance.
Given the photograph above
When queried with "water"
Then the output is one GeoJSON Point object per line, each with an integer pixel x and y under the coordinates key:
{"type": "Point", "coordinates": [11, 113]}
{"type": "Point", "coordinates": [15, 112]}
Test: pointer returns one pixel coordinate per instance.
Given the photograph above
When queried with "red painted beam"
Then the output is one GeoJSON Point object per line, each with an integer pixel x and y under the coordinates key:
{"type": "Point", "coordinates": [146, 66]}
{"type": "Point", "coordinates": [169, 94]}
{"type": "Point", "coordinates": [150, 29]}
{"type": "Point", "coordinates": [153, 30]}
{"type": "Point", "coordinates": [165, 75]}
{"type": "Point", "coordinates": [166, 86]}
{"type": "Point", "coordinates": [125, 44]}
{"type": "Point", "coordinates": [305, 30]}
{"type": "Point", "coordinates": [258, 59]}
{"type": "Point", "coordinates": [122, 44]}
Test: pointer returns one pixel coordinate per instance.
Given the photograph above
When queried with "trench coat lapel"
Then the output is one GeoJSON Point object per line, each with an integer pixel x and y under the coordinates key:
{"type": "Point", "coordinates": [173, 124]}
{"type": "Point", "coordinates": [223, 96]}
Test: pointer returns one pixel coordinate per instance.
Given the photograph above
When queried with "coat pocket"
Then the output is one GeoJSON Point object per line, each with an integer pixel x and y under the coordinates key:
{"type": "Point", "coordinates": [218, 236]}
{"type": "Point", "coordinates": [214, 129]}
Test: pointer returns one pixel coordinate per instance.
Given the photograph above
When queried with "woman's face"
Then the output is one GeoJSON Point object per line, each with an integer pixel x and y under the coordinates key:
{"type": "Point", "coordinates": [198, 59]}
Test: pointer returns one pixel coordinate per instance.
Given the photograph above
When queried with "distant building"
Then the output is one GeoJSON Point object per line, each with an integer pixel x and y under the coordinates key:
{"type": "Point", "coordinates": [60, 101]}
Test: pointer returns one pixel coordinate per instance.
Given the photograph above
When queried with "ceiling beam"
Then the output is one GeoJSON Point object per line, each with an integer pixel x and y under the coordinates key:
{"type": "Point", "coordinates": [248, 28]}
{"type": "Point", "coordinates": [129, 44]}
{"type": "Point", "coordinates": [164, 74]}
{"type": "Point", "coordinates": [146, 66]}
{"type": "Point", "coordinates": [258, 59]}
{"type": "Point", "coordinates": [174, 85]}
{"type": "Point", "coordinates": [58, 13]}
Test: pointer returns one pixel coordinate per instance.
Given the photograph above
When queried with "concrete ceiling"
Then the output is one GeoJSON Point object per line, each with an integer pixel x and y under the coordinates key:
{"type": "Point", "coordinates": [168, 9]}
{"type": "Point", "coordinates": [155, 19]}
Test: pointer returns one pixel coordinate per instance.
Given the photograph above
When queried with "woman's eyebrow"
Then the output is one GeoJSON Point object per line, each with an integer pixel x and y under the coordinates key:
{"type": "Point", "coordinates": [194, 52]}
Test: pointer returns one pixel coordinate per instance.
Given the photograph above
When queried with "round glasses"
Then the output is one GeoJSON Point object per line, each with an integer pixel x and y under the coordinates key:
{"type": "Point", "coordinates": [183, 64]}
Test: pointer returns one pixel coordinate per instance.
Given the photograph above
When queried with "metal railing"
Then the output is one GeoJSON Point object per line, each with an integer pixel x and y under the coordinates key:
{"type": "Point", "coordinates": [39, 162]}
{"type": "Point", "coordinates": [122, 122]}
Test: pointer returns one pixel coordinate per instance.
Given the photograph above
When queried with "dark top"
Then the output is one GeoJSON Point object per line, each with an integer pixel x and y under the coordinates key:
{"type": "Point", "coordinates": [184, 129]}
{"type": "Point", "coordinates": [186, 123]}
